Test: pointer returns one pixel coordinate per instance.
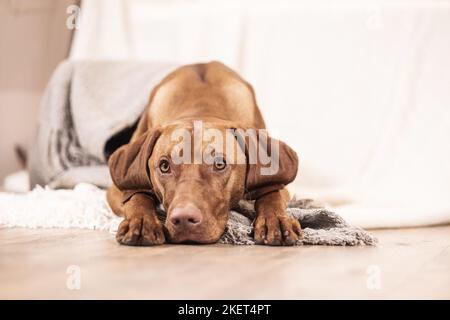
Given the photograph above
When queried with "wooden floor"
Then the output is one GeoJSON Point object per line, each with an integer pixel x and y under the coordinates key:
{"type": "Point", "coordinates": [40, 264]}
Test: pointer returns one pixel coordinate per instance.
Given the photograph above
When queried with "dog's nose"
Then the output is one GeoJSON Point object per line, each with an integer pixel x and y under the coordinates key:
{"type": "Point", "coordinates": [186, 216]}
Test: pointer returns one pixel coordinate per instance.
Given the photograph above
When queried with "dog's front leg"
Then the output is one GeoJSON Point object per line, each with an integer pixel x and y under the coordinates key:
{"type": "Point", "coordinates": [272, 225]}
{"type": "Point", "coordinates": [141, 226]}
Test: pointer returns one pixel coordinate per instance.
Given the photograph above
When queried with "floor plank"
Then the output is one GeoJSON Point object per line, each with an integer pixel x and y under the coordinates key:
{"type": "Point", "coordinates": [408, 263]}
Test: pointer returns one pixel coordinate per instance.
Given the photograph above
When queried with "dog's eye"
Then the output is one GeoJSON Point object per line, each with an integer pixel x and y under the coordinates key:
{"type": "Point", "coordinates": [164, 166]}
{"type": "Point", "coordinates": [219, 163]}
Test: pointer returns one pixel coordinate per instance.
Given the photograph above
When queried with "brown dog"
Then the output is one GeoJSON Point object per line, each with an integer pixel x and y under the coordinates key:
{"type": "Point", "coordinates": [198, 196]}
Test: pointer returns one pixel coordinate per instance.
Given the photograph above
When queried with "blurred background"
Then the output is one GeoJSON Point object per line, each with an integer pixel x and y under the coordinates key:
{"type": "Point", "coordinates": [33, 40]}
{"type": "Point", "coordinates": [360, 89]}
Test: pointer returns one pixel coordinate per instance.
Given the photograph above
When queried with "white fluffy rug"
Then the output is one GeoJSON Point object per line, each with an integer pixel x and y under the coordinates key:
{"type": "Point", "coordinates": [83, 207]}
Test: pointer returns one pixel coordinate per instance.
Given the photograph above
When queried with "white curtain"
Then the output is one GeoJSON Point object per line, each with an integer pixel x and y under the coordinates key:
{"type": "Point", "coordinates": [360, 89]}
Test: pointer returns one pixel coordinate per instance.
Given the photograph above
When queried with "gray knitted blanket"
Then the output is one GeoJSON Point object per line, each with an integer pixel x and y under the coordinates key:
{"type": "Point", "coordinates": [71, 143]}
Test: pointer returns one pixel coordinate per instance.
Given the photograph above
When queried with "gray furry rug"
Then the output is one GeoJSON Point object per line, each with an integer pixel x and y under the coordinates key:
{"type": "Point", "coordinates": [320, 226]}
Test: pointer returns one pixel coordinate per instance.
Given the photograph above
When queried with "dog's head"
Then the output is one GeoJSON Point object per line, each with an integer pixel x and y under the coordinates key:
{"type": "Point", "coordinates": [200, 174]}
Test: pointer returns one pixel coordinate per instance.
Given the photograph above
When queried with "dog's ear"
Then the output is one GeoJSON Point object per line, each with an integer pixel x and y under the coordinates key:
{"type": "Point", "coordinates": [271, 164]}
{"type": "Point", "coordinates": [128, 165]}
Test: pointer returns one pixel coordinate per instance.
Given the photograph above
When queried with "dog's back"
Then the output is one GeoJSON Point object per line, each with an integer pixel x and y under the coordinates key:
{"type": "Point", "coordinates": [204, 91]}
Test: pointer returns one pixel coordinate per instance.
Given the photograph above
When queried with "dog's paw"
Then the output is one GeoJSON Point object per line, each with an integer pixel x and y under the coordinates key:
{"type": "Point", "coordinates": [276, 230]}
{"type": "Point", "coordinates": [140, 231]}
